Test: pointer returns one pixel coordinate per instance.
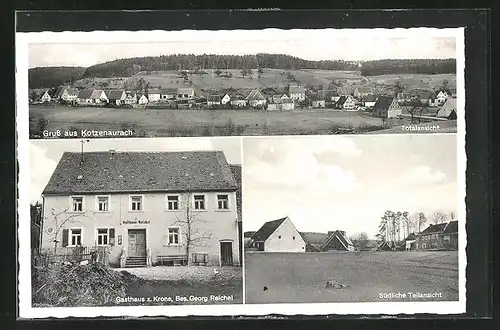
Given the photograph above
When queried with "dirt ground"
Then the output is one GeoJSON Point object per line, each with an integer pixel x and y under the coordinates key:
{"type": "Point", "coordinates": [151, 123]}
{"type": "Point", "coordinates": [183, 285]}
{"type": "Point", "coordinates": [371, 276]}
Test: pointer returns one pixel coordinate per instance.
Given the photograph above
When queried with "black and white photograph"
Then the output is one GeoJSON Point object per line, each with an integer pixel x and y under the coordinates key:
{"type": "Point", "coordinates": [135, 222]}
{"type": "Point", "coordinates": [226, 83]}
{"type": "Point", "coordinates": [351, 219]}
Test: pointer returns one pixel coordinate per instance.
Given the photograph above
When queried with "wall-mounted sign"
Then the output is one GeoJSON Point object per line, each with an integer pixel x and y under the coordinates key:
{"type": "Point", "coordinates": [136, 222]}
{"type": "Point", "coordinates": [119, 239]}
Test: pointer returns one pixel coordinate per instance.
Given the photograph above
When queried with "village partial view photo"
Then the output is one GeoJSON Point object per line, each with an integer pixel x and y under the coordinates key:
{"type": "Point", "coordinates": [351, 219]}
{"type": "Point", "coordinates": [298, 85]}
{"type": "Point", "coordinates": [120, 222]}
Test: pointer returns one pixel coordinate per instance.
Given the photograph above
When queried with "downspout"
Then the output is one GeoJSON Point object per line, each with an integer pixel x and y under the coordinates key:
{"type": "Point", "coordinates": [42, 216]}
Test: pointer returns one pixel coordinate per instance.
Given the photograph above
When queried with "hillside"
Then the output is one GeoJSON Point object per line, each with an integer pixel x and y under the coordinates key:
{"type": "Point", "coordinates": [132, 66]}
{"type": "Point", "coordinates": [46, 77]}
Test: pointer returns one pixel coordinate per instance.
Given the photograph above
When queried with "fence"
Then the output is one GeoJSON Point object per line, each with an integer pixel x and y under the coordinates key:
{"type": "Point", "coordinates": [73, 255]}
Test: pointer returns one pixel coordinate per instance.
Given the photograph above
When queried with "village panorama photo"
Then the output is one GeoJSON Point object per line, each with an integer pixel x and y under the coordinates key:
{"type": "Point", "coordinates": [221, 83]}
{"type": "Point", "coordinates": [136, 222]}
{"type": "Point", "coordinates": [352, 219]}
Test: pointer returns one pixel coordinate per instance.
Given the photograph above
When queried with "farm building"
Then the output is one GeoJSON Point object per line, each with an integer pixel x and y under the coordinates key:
{"type": "Point", "coordinates": [387, 107]}
{"type": "Point", "coordinates": [185, 93]}
{"type": "Point", "coordinates": [154, 95]}
{"type": "Point", "coordinates": [337, 240]}
{"type": "Point", "coordinates": [92, 96]}
{"type": "Point", "coordinates": [369, 100]}
{"type": "Point", "coordinates": [142, 98]}
{"type": "Point", "coordinates": [256, 99]}
{"type": "Point", "coordinates": [411, 242]}
{"type": "Point", "coordinates": [314, 241]}
{"type": "Point", "coordinates": [117, 97]}
{"type": "Point", "coordinates": [362, 91]}
{"type": "Point", "coordinates": [443, 95]}
{"type": "Point", "coordinates": [297, 93]}
{"type": "Point", "coordinates": [427, 98]}
{"type": "Point", "coordinates": [130, 97]}
{"type": "Point", "coordinates": [135, 209]}
{"type": "Point", "coordinates": [278, 236]}
{"type": "Point", "coordinates": [46, 97]}
{"type": "Point", "coordinates": [213, 100]}
{"type": "Point", "coordinates": [225, 99]}
{"type": "Point", "coordinates": [318, 100]}
{"type": "Point", "coordinates": [68, 94]}
{"type": "Point", "coordinates": [238, 101]}
{"type": "Point", "coordinates": [168, 94]}
{"type": "Point", "coordinates": [439, 236]}
{"type": "Point", "coordinates": [386, 246]}
{"type": "Point", "coordinates": [84, 96]}
{"type": "Point", "coordinates": [346, 102]}
{"type": "Point", "coordinates": [449, 109]}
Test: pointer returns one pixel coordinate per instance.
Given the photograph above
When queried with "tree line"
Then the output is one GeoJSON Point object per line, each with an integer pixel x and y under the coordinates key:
{"type": "Point", "coordinates": [53, 76]}
{"type": "Point", "coordinates": [411, 66]}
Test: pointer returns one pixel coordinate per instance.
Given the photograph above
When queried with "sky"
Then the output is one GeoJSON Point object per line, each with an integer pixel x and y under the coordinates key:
{"type": "Point", "coordinates": [45, 154]}
{"type": "Point", "coordinates": [325, 183]}
{"type": "Point", "coordinates": [310, 46]}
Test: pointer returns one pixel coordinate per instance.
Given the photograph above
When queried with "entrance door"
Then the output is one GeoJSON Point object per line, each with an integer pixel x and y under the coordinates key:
{"type": "Point", "coordinates": [137, 242]}
{"type": "Point", "coordinates": [226, 253]}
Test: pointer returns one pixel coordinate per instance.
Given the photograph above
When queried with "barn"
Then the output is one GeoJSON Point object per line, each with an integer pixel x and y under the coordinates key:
{"type": "Point", "coordinates": [278, 236]}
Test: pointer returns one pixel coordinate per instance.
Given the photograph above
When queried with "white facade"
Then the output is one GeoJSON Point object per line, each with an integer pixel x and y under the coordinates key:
{"type": "Point", "coordinates": [46, 97]}
{"type": "Point", "coordinates": [154, 97]}
{"type": "Point", "coordinates": [225, 99]}
{"type": "Point", "coordinates": [286, 238]}
{"type": "Point", "coordinates": [143, 100]}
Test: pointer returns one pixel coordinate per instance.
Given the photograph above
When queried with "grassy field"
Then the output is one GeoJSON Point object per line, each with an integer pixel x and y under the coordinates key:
{"type": "Point", "coordinates": [205, 122]}
{"type": "Point", "coordinates": [302, 277]}
{"type": "Point", "coordinates": [416, 81]}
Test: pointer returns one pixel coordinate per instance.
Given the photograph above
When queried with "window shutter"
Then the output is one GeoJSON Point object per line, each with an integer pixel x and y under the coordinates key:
{"type": "Point", "coordinates": [65, 235]}
{"type": "Point", "coordinates": [112, 236]}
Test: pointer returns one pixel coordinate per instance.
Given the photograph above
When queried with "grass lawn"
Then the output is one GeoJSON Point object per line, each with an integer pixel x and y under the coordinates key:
{"type": "Point", "coordinates": [152, 123]}
{"type": "Point", "coordinates": [183, 285]}
{"type": "Point", "coordinates": [302, 277]}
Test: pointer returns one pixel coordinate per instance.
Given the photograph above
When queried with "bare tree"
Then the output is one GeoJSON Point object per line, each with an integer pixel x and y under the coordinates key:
{"type": "Point", "coordinates": [192, 232]}
{"type": "Point", "coordinates": [413, 108]}
{"type": "Point", "coordinates": [360, 241]}
{"type": "Point", "coordinates": [422, 219]}
{"type": "Point", "coordinates": [413, 222]}
{"type": "Point", "coordinates": [60, 219]}
{"type": "Point", "coordinates": [405, 220]}
{"type": "Point", "coordinates": [438, 217]}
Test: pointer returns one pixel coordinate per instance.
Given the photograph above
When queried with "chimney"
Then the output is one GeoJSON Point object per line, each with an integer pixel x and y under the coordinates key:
{"type": "Point", "coordinates": [112, 151]}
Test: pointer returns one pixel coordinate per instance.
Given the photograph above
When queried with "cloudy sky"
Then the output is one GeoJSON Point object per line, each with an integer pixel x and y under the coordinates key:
{"type": "Point", "coordinates": [310, 45]}
{"type": "Point", "coordinates": [45, 154]}
{"type": "Point", "coordinates": [346, 183]}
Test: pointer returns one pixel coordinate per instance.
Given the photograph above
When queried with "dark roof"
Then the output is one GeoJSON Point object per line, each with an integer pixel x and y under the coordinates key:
{"type": "Point", "coordinates": [168, 91]}
{"type": "Point", "coordinates": [364, 90]}
{"type": "Point", "coordinates": [214, 98]}
{"type": "Point", "coordinates": [296, 89]}
{"type": "Point", "coordinates": [383, 103]}
{"type": "Point", "coordinates": [369, 98]}
{"type": "Point", "coordinates": [115, 94]}
{"type": "Point", "coordinates": [85, 93]}
{"type": "Point", "coordinates": [451, 228]}
{"type": "Point", "coordinates": [236, 170]}
{"type": "Point", "coordinates": [248, 234]}
{"type": "Point", "coordinates": [331, 92]}
{"type": "Point", "coordinates": [319, 96]}
{"type": "Point", "coordinates": [255, 95]}
{"type": "Point", "coordinates": [410, 237]}
{"type": "Point", "coordinates": [267, 229]}
{"type": "Point", "coordinates": [108, 172]}
{"type": "Point", "coordinates": [341, 237]}
{"type": "Point", "coordinates": [434, 229]}
{"type": "Point", "coordinates": [314, 238]}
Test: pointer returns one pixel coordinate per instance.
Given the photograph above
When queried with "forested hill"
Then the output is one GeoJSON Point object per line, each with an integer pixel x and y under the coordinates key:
{"type": "Point", "coordinates": [53, 76]}
{"type": "Point", "coordinates": [131, 66]}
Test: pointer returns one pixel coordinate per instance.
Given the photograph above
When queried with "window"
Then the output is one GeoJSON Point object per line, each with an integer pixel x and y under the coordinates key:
{"type": "Point", "coordinates": [293, 238]}
{"type": "Point", "coordinates": [173, 236]}
{"type": "Point", "coordinates": [77, 204]}
{"type": "Point", "coordinates": [199, 202]}
{"type": "Point", "coordinates": [102, 203]}
{"type": "Point", "coordinates": [76, 237]}
{"type": "Point", "coordinates": [136, 203]}
{"type": "Point", "coordinates": [102, 236]}
{"type": "Point", "coordinates": [279, 237]}
{"type": "Point", "coordinates": [173, 202]}
{"type": "Point", "coordinates": [223, 202]}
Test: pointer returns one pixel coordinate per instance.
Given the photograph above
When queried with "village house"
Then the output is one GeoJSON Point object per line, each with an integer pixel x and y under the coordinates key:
{"type": "Point", "coordinates": [297, 93]}
{"type": "Point", "coordinates": [85, 96]}
{"type": "Point", "coordinates": [213, 100]}
{"type": "Point", "coordinates": [255, 99]}
{"type": "Point", "coordinates": [238, 101]}
{"type": "Point", "coordinates": [346, 102]}
{"type": "Point", "coordinates": [142, 99]}
{"type": "Point", "coordinates": [331, 95]}
{"type": "Point", "coordinates": [68, 94]}
{"type": "Point", "coordinates": [362, 91]}
{"type": "Point", "coordinates": [143, 206]}
{"type": "Point", "coordinates": [337, 240]}
{"type": "Point", "coordinates": [439, 236]}
{"type": "Point", "coordinates": [130, 97]}
{"type": "Point", "coordinates": [116, 97]}
{"type": "Point", "coordinates": [427, 98]}
{"type": "Point", "coordinates": [278, 236]}
{"type": "Point", "coordinates": [318, 100]}
{"type": "Point", "coordinates": [387, 107]}
{"type": "Point", "coordinates": [442, 96]}
{"type": "Point", "coordinates": [449, 109]}
{"type": "Point", "coordinates": [167, 94]}
{"type": "Point", "coordinates": [154, 95]}
{"type": "Point", "coordinates": [411, 242]}
{"type": "Point", "coordinates": [46, 97]}
{"type": "Point", "coordinates": [369, 100]}
{"type": "Point", "coordinates": [185, 93]}
{"type": "Point", "coordinates": [225, 99]}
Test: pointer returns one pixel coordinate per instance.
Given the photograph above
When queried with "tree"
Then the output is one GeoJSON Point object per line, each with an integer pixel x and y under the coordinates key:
{"type": "Point", "coordinates": [422, 219]}
{"type": "Point", "coordinates": [34, 95]}
{"type": "Point", "coordinates": [246, 72]}
{"type": "Point", "coordinates": [218, 72]}
{"type": "Point", "coordinates": [406, 223]}
{"type": "Point", "coordinates": [445, 84]}
{"type": "Point", "coordinates": [398, 88]}
{"type": "Point", "coordinates": [60, 219]}
{"type": "Point", "coordinates": [193, 234]}
{"type": "Point", "coordinates": [414, 106]}
{"type": "Point", "coordinates": [438, 217]}
{"type": "Point", "coordinates": [360, 241]}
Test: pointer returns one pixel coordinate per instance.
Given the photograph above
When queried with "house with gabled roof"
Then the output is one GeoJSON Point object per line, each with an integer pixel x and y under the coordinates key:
{"type": "Point", "coordinates": [255, 99]}
{"type": "Point", "coordinates": [278, 236]}
{"type": "Point", "coordinates": [438, 236]}
{"type": "Point", "coordinates": [85, 96]}
{"type": "Point", "coordinates": [449, 109]}
{"type": "Point", "coordinates": [68, 94]}
{"type": "Point", "coordinates": [346, 102]}
{"type": "Point", "coordinates": [116, 96]}
{"type": "Point", "coordinates": [213, 100]}
{"type": "Point", "coordinates": [318, 99]}
{"type": "Point", "coordinates": [135, 206]}
{"type": "Point", "coordinates": [46, 97]}
{"type": "Point", "coordinates": [154, 95]}
{"type": "Point", "coordinates": [167, 94]}
{"type": "Point", "coordinates": [297, 93]}
{"type": "Point", "coordinates": [369, 100]}
{"type": "Point", "coordinates": [338, 241]}
{"type": "Point", "coordinates": [387, 107]}
{"type": "Point", "coordinates": [362, 91]}
{"type": "Point", "coordinates": [185, 93]}
{"type": "Point", "coordinates": [130, 97]}
{"type": "Point", "coordinates": [238, 101]}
